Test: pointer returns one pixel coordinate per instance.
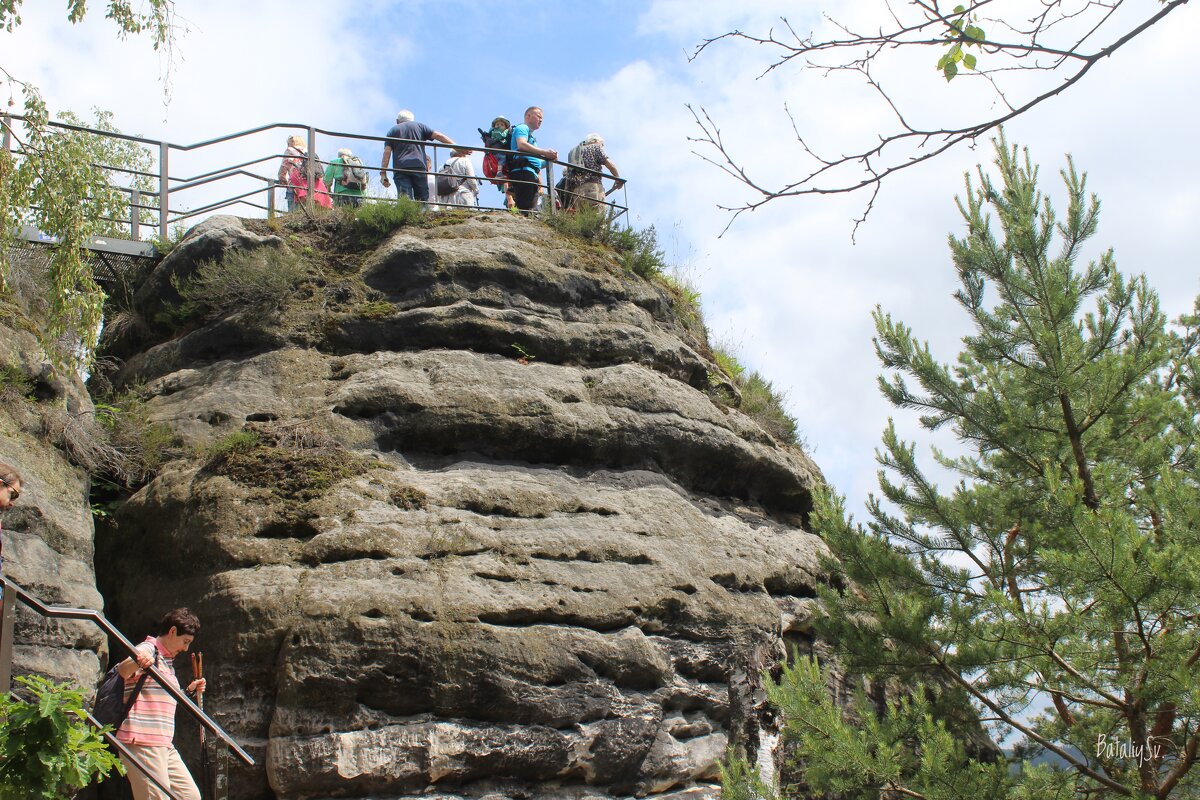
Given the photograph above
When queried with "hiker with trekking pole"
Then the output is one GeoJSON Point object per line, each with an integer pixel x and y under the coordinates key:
{"type": "Point", "coordinates": [149, 729]}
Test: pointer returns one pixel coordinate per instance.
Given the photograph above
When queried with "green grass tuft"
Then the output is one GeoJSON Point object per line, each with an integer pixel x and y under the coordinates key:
{"type": "Point", "coordinates": [374, 222]}
{"type": "Point", "coordinates": [237, 442]}
{"type": "Point", "coordinates": [761, 401]}
{"type": "Point", "coordinates": [258, 280]}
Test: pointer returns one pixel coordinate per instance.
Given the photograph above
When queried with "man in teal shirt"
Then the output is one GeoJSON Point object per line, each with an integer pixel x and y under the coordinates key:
{"type": "Point", "coordinates": [525, 167]}
{"type": "Point", "coordinates": [348, 178]}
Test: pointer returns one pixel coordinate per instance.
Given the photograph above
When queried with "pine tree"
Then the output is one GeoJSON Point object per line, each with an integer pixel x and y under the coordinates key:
{"type": "Point", "coordinates": [1055, 587]}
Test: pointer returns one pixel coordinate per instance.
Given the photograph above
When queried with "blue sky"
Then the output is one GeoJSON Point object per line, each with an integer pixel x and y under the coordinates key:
{"type": "Point", "coordinates": [786, 284]}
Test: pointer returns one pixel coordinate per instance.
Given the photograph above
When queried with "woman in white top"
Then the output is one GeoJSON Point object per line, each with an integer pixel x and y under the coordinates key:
{"type": "Point", "coordinates": [466, 191]}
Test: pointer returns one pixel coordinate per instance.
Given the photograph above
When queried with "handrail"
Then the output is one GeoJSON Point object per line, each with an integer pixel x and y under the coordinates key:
{"type": "Point", "coordinates": [168, 184]}
{"type": "Point", "coordinates": [87, 614]}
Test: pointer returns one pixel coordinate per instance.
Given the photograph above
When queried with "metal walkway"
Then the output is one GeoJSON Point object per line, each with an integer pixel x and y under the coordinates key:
{"type": "Point", "coordinates": [227, 179]}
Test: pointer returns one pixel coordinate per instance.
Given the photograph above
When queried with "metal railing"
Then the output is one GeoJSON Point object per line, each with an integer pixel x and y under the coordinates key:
{"type": "Point", "coordinates": [261, 195]}
{"type": "Point", "coordinates": [13, 592]}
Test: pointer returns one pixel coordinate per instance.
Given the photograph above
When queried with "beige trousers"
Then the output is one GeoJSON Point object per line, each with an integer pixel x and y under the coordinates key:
{"type": "Point", "coordinates": [167, 766]}
{"type": "Point", "coordinates": [589, 195]}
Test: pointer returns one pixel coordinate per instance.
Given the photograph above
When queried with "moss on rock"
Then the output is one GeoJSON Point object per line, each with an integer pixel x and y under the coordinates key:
{"type": "Point", "coordinates": [291, 474]}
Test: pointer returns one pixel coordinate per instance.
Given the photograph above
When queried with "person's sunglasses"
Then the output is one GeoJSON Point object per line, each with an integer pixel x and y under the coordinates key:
{"type": "Point", "coordinates": [13, 494]}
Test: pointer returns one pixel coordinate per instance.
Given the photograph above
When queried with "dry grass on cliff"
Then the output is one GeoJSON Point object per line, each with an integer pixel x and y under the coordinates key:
{"type": "Point", "coordinates": [759, 399]}
{"type": "Point", "coordinates": [296, 461]}
{"type": "Point", "coordinates": [116, 443]}
{"type": "Point", "coordinates": [246, 280]}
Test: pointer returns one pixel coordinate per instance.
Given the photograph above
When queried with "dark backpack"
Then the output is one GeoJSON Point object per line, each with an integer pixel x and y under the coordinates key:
{"type": "Point", "coordinates": [446, 182]}
{"type": "Point", "coordinates": [353, 175]}
{"type": "Point", "coordinates": [110, 707]}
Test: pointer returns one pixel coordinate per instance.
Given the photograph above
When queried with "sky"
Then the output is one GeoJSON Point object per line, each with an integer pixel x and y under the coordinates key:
{"type": "Point", "coordinates": [790, 286]}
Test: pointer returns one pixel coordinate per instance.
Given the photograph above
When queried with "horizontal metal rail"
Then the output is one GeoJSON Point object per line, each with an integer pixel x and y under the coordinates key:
{"type": "Point", "coordinates": [229, 201]}
{"type": "Point", "coordinates": [229, 168]}
{"type": "Point", "coordinates": [12, 590]}
{"type": "Point", "coordinates": [220, 175]}
{"type": "Point", "coordinates": [169, 185]}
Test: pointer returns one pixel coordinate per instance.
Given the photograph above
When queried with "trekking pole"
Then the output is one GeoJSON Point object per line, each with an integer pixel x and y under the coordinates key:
{"type": "Point", "coordinates": [197, 674]}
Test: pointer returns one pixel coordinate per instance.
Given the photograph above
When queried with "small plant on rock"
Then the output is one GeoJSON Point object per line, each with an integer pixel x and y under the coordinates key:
{"type": "Point", "coordinates": [523, 355]}
{"type": "Point", "coordinates": [175, 235]}
{"type": "Point", "coordinates": [638, 250]}
{"type": "Point", "coordinates": [14, 382]}
{"type": "Point", "coordinates": [237, 442]}
{"type": "Point", "coordinates": [588, 224]}
{"type": "Point", "coordinates": [247, 280]}
{"type": "Point", "coordinates": [375, 221]}
{"type": "Point", "coordinates": [760, 400]}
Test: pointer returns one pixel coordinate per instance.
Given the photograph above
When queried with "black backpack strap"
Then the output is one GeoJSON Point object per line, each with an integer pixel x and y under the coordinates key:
{"type": "Point", "coordinates": [137, 689]}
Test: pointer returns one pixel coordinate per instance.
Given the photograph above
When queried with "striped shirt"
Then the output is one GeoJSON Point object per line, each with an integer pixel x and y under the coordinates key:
{"type": "Point", "coordinates": [151, 720]}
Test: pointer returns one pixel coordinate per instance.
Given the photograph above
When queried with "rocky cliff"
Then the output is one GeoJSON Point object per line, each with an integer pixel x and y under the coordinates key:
{"type": "Point", "coordinates": [461, 515]}
{"type": "Point", "coordinates": [48, 535]}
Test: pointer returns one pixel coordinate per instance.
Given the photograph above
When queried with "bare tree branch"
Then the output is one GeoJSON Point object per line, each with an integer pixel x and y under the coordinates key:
{"type": "Point", "coordinates": [921, 24]}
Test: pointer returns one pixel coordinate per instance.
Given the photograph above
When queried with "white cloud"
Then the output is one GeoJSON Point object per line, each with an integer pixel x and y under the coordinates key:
{"type": "Point", "coordinates": [788, 279]}
{"type": "Point", "coordinates": [235, 66]}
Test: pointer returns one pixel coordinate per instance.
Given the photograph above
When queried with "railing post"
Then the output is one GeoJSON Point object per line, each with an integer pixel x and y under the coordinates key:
{"type": "Point", "coordinates": [164, 191]}
{"type": "Point", "coordinates": [271, 186]}
{"type": "Point", "coordinates": [312, 149]}
{"type": "Point", "coordinates": [219, 764]}
{"type": "Point", "coordinates": [550, 185]}
{"type": "Point", "coordinates": [8, 607]}
{"type": "Point", "coordinates": [135, 215]}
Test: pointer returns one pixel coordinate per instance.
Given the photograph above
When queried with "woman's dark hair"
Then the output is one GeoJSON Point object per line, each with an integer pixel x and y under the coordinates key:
{"type": "Point", "coordinates": [183, 621]}
{"type": "Point", "coordinates": [9, 474]}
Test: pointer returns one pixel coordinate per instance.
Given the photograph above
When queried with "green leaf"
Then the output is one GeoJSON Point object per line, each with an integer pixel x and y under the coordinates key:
{"type": "Point", "coordinates": [46, 748]}
{"type": "Point", "coordinates": [975, 33]}
{"type": "Point", "coordinates": [969, 60]}
{"type": "Point", "coordinates": [950, 70]}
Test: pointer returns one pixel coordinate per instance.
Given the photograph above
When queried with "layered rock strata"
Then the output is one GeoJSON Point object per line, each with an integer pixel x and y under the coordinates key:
{"type": "Point", "coordinates": [431, 563]}
{"type": "Point", "coordinates": [48, 534]}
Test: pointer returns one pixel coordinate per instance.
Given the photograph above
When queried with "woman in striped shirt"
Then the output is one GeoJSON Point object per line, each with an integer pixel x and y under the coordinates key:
{"type": "Point", "coordinates": [149, 730]}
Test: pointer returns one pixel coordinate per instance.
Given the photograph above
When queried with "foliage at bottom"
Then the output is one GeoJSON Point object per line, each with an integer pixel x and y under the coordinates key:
{"type": "Point", "coordinates": [47, 748]}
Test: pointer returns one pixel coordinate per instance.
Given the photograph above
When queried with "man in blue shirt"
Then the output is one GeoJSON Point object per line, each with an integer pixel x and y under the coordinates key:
{"type": "Point", "coordinates": [524, 168]}
{"type": "Point", "coordinates": [408, 158]}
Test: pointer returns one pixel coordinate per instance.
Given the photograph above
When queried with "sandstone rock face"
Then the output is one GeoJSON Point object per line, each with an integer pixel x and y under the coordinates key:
{"type": "Point", "coordinates": [48, 534]}
{"type": "Point", "coordinates": [441, 572]}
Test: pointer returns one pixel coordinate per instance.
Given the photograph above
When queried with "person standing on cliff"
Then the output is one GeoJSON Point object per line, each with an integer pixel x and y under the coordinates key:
{"type": "Point", "coordinates": [586, 184]}
{"type": "Point", "coordinates": [149, 730]}
{"type": "Point", "coordinates": [525, 167]}
{"type": "Point", "coordinates": [294, 158]}
{"type": "Point", "coordinates": [408, 158]}
{"type": "Point", "coordinates": [10, 490]}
